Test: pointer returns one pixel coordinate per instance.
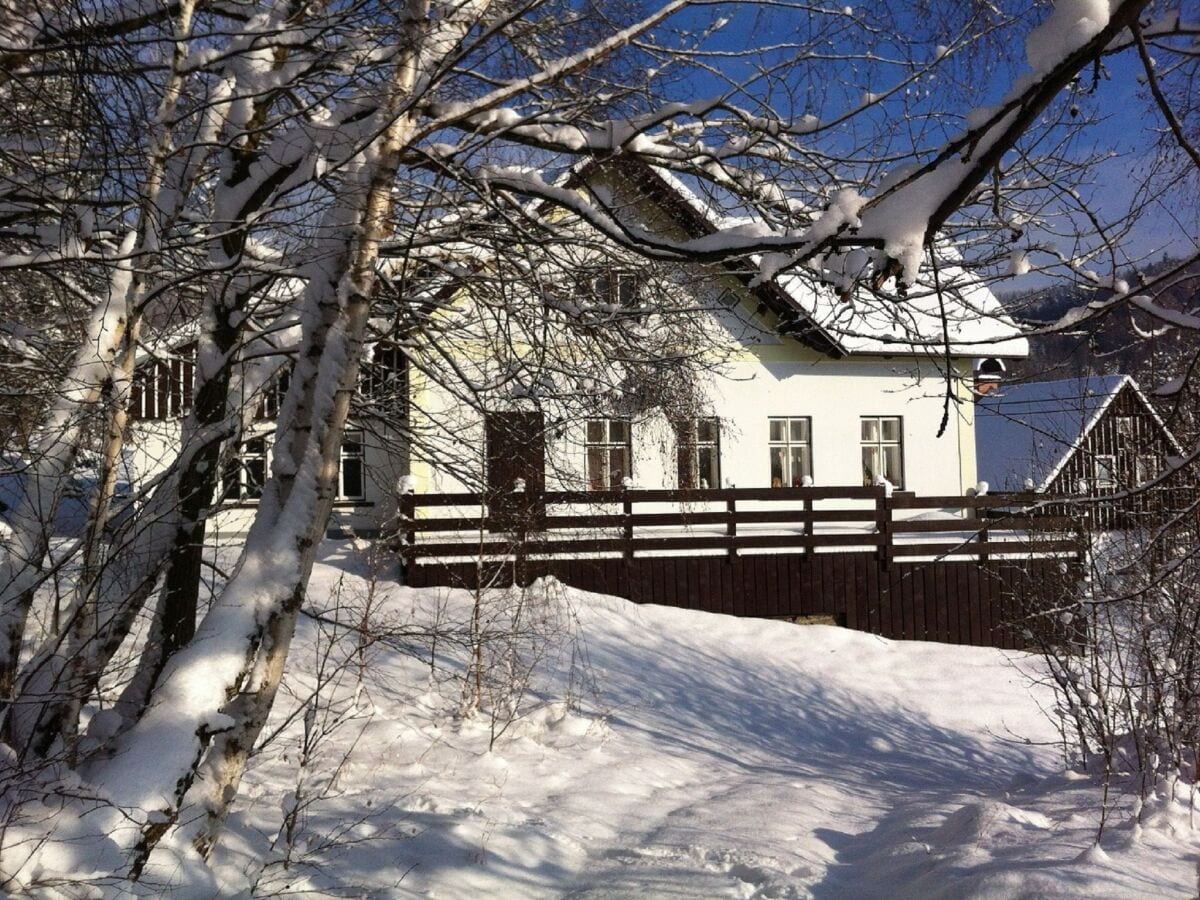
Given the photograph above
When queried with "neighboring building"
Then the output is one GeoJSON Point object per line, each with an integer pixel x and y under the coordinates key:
{"type": "Point", "coordinates": [1093, 436]}
{"type": "Point", "coordinates": [813, 387]}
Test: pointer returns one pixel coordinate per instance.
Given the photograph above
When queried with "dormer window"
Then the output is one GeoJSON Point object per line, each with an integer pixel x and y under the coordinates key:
{"type": "Point", "coordinates": [614, 287]}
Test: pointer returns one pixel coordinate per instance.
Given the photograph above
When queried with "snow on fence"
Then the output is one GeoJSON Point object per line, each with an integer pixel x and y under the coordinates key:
{"type": "Point", "coordinates": [905, 567]}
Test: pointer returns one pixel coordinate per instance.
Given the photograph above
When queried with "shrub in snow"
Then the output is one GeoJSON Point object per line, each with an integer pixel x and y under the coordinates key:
{"type": "Point", "coordinates": [1129, 680]}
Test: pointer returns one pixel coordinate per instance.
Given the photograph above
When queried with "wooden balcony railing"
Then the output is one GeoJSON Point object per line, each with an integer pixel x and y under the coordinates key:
{"type": "Point", "coordinates": [734, 521]}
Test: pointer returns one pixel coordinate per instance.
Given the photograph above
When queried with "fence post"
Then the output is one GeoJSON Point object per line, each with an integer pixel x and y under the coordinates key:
{"type": "Point", "coordinates": [809, 530]}
{"type": "Point", "coordinates": [731, 525]}
{"type": "Point", "coordinates": [883, 523]}
{"type": "Point", "coordinates": [627, 530]}
{"type": "Point", "coordinates": [408, 527]}
{"type": "Point", "coordinates": [522, 510]}
{"type": "Point", "coordinates": [984, 554]}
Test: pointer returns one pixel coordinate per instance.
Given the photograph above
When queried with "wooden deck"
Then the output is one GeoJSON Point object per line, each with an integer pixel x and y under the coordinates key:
{"type": "Point", "coordinates": [899, 566]}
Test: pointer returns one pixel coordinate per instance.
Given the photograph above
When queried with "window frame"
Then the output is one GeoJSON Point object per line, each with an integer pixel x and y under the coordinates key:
{"type": "Point", "coordinates": [1108, 482]}
{"type": "Point", "coordinates": [879, 444]}
{"type": "Point", "coordinates": [163, 387]}
{"type": "Point", "coordinates": [607, 445]}
{"type": "Point", "coordinates": [788, 478]}
{"type": "Point", "coordinates": [237, 463]}
{"type": "Point", "coordinates": [1146, 468]}
{"type": "Point", "coordinates": [385, 375]}
{"type": "Point", "coordinates": [608, 284]}
{"type": "Point", "coordinates": [234, 489]}
{"type": "Point", "coordinates": [358, 437]}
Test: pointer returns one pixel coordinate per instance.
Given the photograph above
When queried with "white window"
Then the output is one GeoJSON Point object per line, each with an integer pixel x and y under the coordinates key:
{"type": "Point", "coordinates": [698, 442]}
{"type": "Point", "coordinates": [611, 286]}
{"type": "Point", "coordinates": [352, 475]}
{"type": "Point", "coordinates": [883, 449]}
{"type": "Point", "coordinates": [271, 398]}
{"type": "Point", "coordinates": [244, 475]}
{"type": "Point", "coordinates": [790, 445]}
{"type": "Point", "coordinates": [1104, 470]}
{"type": "Point", "coordinates": [1147, 468]}
{"type": "Point", "coordinates": [163, 388]}
{"type": "Point", "coordinates": [385, 374]}
{"type": "Point", "coordinates": [608, 451]}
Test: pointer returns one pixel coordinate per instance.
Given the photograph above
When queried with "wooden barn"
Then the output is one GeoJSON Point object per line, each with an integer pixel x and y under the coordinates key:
{"type": "Point", "coordinates": [1089, 436]}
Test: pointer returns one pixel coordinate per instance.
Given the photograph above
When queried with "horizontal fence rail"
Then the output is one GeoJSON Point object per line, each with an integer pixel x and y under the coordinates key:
{"type": "Point", "coordinates": [634, 523]}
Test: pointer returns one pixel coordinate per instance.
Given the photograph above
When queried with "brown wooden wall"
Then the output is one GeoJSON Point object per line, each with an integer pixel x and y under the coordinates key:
{"type": "Point", "coordinates": [1143, 436]}
{"type": "Point", "coordinates": [957, 602]}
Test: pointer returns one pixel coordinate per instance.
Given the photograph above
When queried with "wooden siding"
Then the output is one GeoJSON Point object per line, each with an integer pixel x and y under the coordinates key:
{"type": "Point", "coordinates": [1126, 431]}
{"type": "Point", "coordinates": [954, 602]}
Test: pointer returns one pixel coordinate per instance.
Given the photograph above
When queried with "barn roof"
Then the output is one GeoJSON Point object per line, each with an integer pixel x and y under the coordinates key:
{"type": "Point", "coordinates": [1029, 431]}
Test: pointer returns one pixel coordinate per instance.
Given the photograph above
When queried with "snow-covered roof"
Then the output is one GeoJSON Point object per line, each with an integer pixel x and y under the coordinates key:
{"type": "Point", "coordinates": [974, 319]}
{"type": "Point", "coordinates": [1029, 431]}
{"type": "Point", "coordinates": [975, 322]}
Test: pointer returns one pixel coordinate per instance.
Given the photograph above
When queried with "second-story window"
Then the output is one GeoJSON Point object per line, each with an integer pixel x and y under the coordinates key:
{"type": "Point", "coordinates": [163, 387]}
{"type": "Point", "coordinates": [1104, 470]}
{"type": "Point", "coordinates": [384, 377]}
{"type": "Point", "coordinates": [616, 288]}
{"type": "Point", "coordinates": [608, 453]}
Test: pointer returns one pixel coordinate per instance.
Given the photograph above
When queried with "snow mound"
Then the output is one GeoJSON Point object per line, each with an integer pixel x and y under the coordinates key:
{"type": "Point", "coordinates": [665, 752]}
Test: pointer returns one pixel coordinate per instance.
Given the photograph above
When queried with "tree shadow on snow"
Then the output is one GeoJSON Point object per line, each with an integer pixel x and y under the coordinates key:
{"type": "Point", "coordinates": [753, 715]}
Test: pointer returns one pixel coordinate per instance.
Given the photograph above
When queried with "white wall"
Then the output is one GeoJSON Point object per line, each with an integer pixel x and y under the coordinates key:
{"type": "Point", "coordinates": [834, 394]}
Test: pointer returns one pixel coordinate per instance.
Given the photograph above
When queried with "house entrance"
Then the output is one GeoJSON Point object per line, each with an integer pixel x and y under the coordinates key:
{"type": "Point", "coordinates": [516, 469]}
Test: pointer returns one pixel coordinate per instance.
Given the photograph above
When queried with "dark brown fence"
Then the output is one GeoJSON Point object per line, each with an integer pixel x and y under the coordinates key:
{"type": "Point", "coordinates": [854, 554]}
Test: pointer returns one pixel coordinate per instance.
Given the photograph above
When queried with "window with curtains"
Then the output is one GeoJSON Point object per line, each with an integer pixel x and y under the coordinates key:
{"type": "Point", "coordinates": [608, 453]}
{"type": "Point", "coordinates": [698, 446]}
{"type": "Point", "coordinates": [883, 449]}
{"type": "Point", "coordinates": [790, 448]}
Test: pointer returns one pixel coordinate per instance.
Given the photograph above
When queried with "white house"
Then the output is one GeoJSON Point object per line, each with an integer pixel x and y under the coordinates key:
{"type": "Point", "coordinates": [811, 387]}
{"type": "Point", "coordinates": [806, 386]}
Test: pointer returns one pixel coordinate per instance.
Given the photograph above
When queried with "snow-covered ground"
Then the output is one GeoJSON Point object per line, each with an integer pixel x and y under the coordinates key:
{"type": "Point", "coordinates": [670, 753]}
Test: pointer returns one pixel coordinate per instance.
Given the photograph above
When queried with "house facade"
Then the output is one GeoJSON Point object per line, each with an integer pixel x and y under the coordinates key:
{"type": "Point", "coordinates": [793, 385]}
{"type": "Point", "coordinates": [812, 385]}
